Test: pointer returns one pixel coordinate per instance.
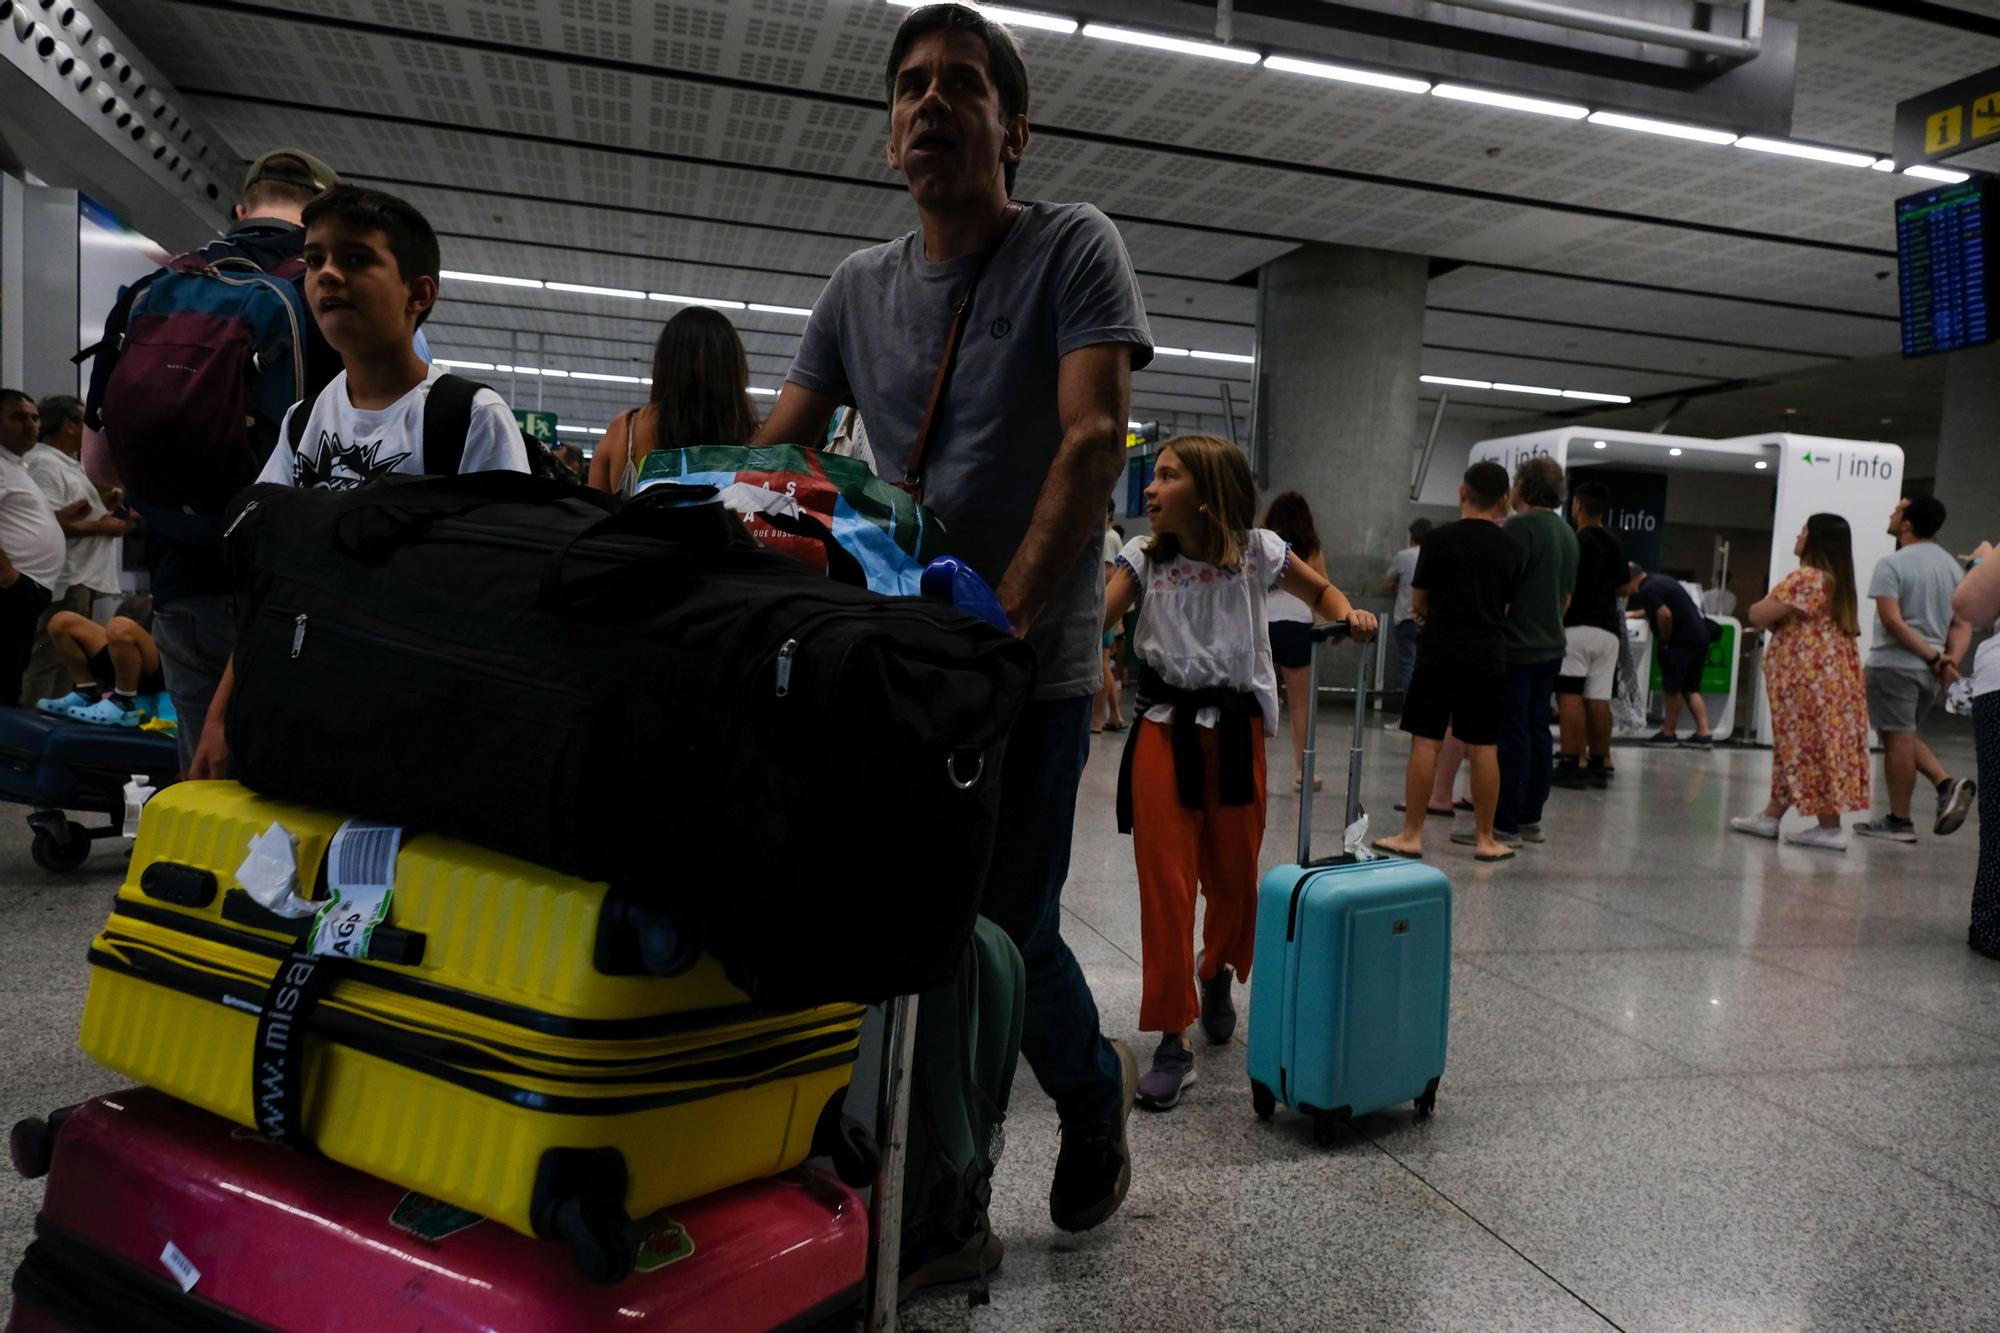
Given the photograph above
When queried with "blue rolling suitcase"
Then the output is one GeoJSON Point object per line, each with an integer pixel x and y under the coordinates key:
{"type": "Point", "coordinates": [52, 764]}
{"type": "Point", "coordinates": [1352, 991]}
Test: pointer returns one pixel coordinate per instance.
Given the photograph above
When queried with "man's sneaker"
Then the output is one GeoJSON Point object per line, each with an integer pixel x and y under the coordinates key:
{"type": "Point", "coordinates": [1570, 777]}
{"type": "Point", "coordinates": [1889, 828]}
{"type": "Point", "coordinates": [1699, 741]}
{"type": "Point", "coordinates": [1532, 833]}
{"type": "Point", "coordinates": [1160, 1087]}
{"type": "Point", "coordinates": [1468, 838]}
{"type": "Point", "coordinates": [1757, 826]}
{"type": "Point", "coordinates": [1826, 839]}
{"type": "Point", "coordinates": [60, 707]}
{"type": "Point", "coordinates": [1218, 1010]}
{"type": "Point", "coordinates": [978, 1260]}
{"type": "Point", "coordinates": [1663, 740]}
{"type": "Point", "coordinates": [1094, 1165]}
{"type": "Point", "coordinates": [1954, 804]}
{"type": "Point", "coordinates": [107, 712]}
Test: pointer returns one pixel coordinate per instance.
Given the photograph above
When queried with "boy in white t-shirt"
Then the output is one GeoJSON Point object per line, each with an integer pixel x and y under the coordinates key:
{"type": "Point", "coordinates": [372, 267]}
{"type": "Point", "coordinates": [1191, 788]}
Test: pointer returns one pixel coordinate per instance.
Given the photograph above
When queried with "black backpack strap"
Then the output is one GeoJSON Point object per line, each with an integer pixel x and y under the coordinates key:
{"type": "Point", "coordinates": [295, 423]}
{"type": "Point", "coordinates": [447, 418]}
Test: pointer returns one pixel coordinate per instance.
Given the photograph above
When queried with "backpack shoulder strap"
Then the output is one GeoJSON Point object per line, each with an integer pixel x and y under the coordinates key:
{"type": "Point", "coordinates": [447, 418]}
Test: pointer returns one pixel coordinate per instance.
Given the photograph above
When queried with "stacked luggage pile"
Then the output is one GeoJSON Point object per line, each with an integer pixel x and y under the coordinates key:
{"type": "Point", "coordinates": [538, 912]}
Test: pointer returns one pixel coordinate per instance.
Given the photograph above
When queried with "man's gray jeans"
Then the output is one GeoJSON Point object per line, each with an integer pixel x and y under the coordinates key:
{"type": "Point", "coordinates": [195, 635]}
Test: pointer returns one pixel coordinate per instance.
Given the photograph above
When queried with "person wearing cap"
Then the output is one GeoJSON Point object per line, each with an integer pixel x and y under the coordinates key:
{"type": "Point", "coordinates": [194, 618]}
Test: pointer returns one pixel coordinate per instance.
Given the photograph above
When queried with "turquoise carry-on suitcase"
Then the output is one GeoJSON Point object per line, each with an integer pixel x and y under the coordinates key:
{"type": "Point", "coordinates": [1351, 996]}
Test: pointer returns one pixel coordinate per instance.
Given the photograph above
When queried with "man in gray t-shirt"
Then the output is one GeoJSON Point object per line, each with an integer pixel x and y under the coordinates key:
{"type": "Point", "coordinates": [1916, 655]}
{"type": "Point", "coordinates": [1026, 444]}
{"type": "Point", "coordinates": [1403, 568]}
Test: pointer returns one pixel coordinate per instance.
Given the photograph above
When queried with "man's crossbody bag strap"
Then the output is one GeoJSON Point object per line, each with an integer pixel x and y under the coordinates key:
{"type": "Point", "coordinates": [913, 469]}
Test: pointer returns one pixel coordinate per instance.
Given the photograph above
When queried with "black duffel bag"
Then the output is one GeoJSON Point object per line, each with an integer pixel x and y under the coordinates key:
{"type": "Point", "coordinates": [796, 775]}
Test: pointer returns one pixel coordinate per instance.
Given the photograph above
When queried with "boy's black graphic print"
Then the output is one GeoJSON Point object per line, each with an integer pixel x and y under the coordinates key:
{"type": "Point", "coordinates": [340, 467]}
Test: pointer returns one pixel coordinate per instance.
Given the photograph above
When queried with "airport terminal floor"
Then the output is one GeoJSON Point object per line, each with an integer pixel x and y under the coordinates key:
{"type": "Point", "coordinates": [1696, 1081]}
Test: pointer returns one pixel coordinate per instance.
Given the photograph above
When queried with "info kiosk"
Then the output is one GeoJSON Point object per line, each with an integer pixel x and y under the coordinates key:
{"type": "Point", "coordinates": [1860, 480]}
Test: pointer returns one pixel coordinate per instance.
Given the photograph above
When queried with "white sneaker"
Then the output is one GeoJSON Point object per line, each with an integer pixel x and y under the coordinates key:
{"type": "Point", "coordinates": [1826, 839]}
{"type": "Point", "coordinates": [1757, 826]}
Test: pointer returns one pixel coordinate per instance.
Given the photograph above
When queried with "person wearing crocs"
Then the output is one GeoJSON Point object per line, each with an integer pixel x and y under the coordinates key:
{"type": "Point", "coordinates": [1918, 647]}
{"type": "Point", "coordinates": [1191, 785]}
{"type": "Point", "coordinates": [1467, 575]}
{"type": "Point", "coordinates": [1812, 673]}
{"type": "Point", "coordinates": [110, 665]}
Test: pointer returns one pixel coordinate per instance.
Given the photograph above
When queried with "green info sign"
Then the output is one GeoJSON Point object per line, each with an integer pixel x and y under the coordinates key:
{"type": "Point", "coordinates": [1715, 670]}
{"type": "Point", "coordinates": [537, 425]}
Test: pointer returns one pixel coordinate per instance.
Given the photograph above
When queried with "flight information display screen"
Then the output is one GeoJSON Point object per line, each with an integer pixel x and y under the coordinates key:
{"type": "Point", "coordinates": [1944, 240]}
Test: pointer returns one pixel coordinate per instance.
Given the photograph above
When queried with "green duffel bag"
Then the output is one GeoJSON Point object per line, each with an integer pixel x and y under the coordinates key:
{"type": "Point", "coordinates": [968, 1041]}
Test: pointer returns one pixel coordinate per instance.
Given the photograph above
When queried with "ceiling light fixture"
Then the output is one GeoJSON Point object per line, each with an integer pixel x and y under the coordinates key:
{"type": "Point", "coordinates": [1458, 92]}
{"type": "Point", "coordinates": [1237, 357]}
{"type": "Point", "coordinates": [585, 289]}
{"type": "Point", "coordinates": [496, 279]}
{"type": "Point", "coordinates": [1367, 78]}
{"type": "Point", "coordinates": [1674, 452]}
{"type": "Point", "coordinates": [1170, 351]}
{"type": "Point", "coordinates": [1784, 148]}
{"type": "Point", "coordinates": [801, 311]}
{"type": "Point", "coordinates": [581, 430]}
{"type": "Point", "coordinates": [1013, 18]}
{"type": "Point", "coordinates": [1527, 388]}
{"type": "Point", "coordinates": [1944, 174]}
{"type": "Point", "coordinates": [1600, 445]}
{"type": "Point", "coordinates": [1696, 133]}
{"type": "Point", "coordinates": [1456, 383]}
{"type": "Point", "coordinates": [1885, 164]}
{"type": "Point", "coordinates": [1104, 32]}
{"type": "Point", "coordinates": [1540, 391]}
{"type": "Point", "coordinates": [696, 300]}
{"type": "Point", "coordinates": [1588, 396]}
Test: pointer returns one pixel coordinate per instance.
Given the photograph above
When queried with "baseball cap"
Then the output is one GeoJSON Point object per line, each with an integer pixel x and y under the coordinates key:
{"type": "Point", "coordinates": [273, 166]}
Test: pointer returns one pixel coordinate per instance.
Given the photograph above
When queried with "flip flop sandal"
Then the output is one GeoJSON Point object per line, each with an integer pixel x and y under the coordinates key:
{"type": "Point", "coordinates": [1391, 851]}
{"type": "Point", "coordinates": [1507, 855]}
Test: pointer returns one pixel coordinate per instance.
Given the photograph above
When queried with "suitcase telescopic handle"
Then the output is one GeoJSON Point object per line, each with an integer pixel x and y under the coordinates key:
{"type": "Point", "coordinates": [1328, 634]}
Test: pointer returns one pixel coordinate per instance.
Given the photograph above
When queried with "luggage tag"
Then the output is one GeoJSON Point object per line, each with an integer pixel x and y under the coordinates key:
{"type": "Point", "coordinates": [360, 879]}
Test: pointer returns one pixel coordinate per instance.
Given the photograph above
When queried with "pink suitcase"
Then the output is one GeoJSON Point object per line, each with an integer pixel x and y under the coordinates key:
{"type": "Point", "coordinates": [158, 1216]}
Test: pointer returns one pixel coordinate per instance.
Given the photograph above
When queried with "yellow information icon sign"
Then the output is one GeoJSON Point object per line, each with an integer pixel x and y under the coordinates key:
{"type": "Point", "coordinates": [1944, 129]}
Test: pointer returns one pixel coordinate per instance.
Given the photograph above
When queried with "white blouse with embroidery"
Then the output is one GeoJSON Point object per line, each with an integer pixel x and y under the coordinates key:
{"type": "Point", "coordinates": [1200, 626]}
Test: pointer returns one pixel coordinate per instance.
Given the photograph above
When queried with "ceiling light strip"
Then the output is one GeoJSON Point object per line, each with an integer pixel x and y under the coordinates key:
{"type": "Point", "coordinates": [1105, 32]}
{"type": "Point", "coordinates": [549, 372]}
{"type": "Point", "coordinates": [1538, 390]}
{"type": "Point", "coordinates": [1007, 14]}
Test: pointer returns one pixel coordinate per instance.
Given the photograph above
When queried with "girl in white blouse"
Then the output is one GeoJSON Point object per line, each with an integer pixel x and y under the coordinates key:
{"type": "Point", "coordinates": [1191, 788]}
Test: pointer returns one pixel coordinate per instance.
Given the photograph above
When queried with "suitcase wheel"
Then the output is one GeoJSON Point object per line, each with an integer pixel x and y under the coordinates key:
{"type": "Point", "coordinates": [1262, 1100]}
{"type": "Point", "coordinates": [1427, 1102]}
{"type": "Point", "coordinates": [1327, 1125]}
{"type": "Point", "coordinates": [597, 1239]}
{"type": "Point", "coordinates": [59, 845]}
{"type": "Point", "coordinates": [31, 1144]}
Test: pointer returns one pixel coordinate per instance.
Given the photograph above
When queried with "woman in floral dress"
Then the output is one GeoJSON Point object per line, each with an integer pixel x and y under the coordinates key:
{"type": "Point", "coordinates": [1819, 705]}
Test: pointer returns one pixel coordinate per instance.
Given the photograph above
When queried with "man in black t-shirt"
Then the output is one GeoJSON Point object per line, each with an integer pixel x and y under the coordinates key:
{"type": "Point", "coordinates": [1596, 634]}
{"type": "Point", "coordinates": [1467, 574]}
{"type": "Point", "coordinates": [1680, 631]}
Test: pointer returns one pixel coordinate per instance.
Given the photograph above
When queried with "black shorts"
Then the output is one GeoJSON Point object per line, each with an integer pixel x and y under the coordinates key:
{"type": "Point", "coordinates": [1468, 697]}
{"type": "Point", "coordinates": [101, 672]}
{"type": "Point", "coordinates": [1680, 668]}
{"type": "Point", "coordinates": [1291, 643]}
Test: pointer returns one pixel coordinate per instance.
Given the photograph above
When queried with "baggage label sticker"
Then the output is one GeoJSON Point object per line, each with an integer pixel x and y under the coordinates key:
{"type": "Point", "coordinates": [667, 1243]}
{"type": "Point", "coordinates": [360, 877]}
{"type": "Point", "coordinates": [180, 1266]}
{"type": "Point", "coordinates": [430, 1219]}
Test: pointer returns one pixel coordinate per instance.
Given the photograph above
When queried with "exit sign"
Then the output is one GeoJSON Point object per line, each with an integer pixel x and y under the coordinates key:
{"type": "Point", "coordinates": [537, 425]}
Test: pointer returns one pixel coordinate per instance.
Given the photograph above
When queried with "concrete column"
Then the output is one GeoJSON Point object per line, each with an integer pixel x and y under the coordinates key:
{"type": "Point", "coordinates": [1968, 456]}
{"type": "Point", "coordinates": [1340, 336]}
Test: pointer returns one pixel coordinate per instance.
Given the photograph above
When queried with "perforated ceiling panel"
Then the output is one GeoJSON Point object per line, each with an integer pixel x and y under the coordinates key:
{"type": "Point", "coordinates": [732, 148]}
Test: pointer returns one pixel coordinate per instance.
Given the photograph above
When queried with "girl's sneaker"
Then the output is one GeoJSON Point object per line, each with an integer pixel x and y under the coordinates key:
{"type": "Point", "coordinates": [1218, 1010]}
{"type": "Point", "coordinates": [1160, 1087]}
{"type": "Point", "coordinates": [61, 707]}
{"type": "Point", "coordinates": [1757, 826]}
{"type": "Point", "coordinates": [108, 712]}
{"type": "Point", "coordinates": [1826, 839]}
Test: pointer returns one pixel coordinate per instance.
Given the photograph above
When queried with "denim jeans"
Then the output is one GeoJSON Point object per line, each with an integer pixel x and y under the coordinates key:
{"type": "Point", "coordinates": [1527, 750]}
{"type": "Point", "coordinates": [1407, 634]}
{"type": "Point", "coordinates": [1060, 1038]}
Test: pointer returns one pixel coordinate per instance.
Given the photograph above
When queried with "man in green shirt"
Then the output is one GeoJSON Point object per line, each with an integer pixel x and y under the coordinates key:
{"type": "Point", "coordinates": [1536, 643]}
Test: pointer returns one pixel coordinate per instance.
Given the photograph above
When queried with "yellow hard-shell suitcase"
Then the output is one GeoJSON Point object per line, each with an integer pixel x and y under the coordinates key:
{"type": "Point", "coordinates": [492, 1064]}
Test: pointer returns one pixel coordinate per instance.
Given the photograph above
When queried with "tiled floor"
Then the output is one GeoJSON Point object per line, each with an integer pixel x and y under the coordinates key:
{"type": "Point", "coordinates": [1697, 1081]}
